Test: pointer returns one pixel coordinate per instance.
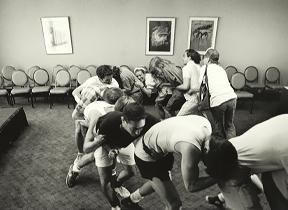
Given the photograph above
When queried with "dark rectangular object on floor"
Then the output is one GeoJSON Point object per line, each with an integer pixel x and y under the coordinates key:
{"type": "Point", "coordinates": [12, 122]}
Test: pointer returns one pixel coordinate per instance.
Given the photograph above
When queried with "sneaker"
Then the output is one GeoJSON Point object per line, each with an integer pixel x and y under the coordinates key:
{"type": "Point", "coordinates": [122, 191]}
{"type": "Point", "coordinates": [71, 177]}
{"type": "Point", "coordinates": [79, 156]}
{"type": "Point", "coordinates": [128, 204]}
{"type": "Point", "coordinates": [215, 201]}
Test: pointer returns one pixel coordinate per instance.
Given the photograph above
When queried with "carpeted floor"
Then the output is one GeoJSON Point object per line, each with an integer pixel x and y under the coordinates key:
{"type": "Point", "coordinates": [33, 172]}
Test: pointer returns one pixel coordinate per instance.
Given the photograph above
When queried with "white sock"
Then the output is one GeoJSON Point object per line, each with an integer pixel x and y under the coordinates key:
{"type": "Point", "coordinates": [115, 208]}
{"type": "Point", "coordinates": [221, 197]}
{"type": "Point", "coordinates": [76, 168]}
{"type": "Point", "coordinates": [136, 197]}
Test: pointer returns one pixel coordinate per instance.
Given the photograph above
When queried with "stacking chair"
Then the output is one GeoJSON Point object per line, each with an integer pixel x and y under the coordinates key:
{"type": "Point", "coordinates": [272, 79]}
{"type": "Point", "coordinates": [62, 86]}
{"type": "Point", "coordinates": [41, 85]}
{"type": "Point", "coordinates": [238, 82]}
{"type": "Point", "coordinates": [82, 76]}
{"type": "Point", "coordinates": [20, 85]}
{"type": "Point", "coordinates": [251, 75]}
{"type": "Point", "coordinates": [74, 70]}
{"type": "Point", "coordinates": [30, 73]}
{"type": "Point", "coordinates": [92, 69]}
{"type": "Point", "coordinates": [3, 91]}
{"type": "Point", "coordinates": [54, 72]}
{"type": "Point", "coordinates": [230, 70]}
{"type": "Point", "coordinates": [7, 76]}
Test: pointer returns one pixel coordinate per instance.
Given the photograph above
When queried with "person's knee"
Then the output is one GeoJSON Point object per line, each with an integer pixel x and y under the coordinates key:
{"type": "Point", "coordinates": [177, 204]}
{"type": "Point", "coordinates": [131, 171]}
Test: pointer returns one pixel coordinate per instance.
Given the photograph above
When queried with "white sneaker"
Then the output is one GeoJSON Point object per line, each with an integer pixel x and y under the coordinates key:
{"type": "Point", "coordinates": [122, 191]}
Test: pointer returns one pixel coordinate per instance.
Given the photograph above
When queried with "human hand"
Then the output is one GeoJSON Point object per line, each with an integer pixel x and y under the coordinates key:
{"type": "Point", "coordinates": [113, 153]}
{"type": "Point", "coordinates": [139, 84]}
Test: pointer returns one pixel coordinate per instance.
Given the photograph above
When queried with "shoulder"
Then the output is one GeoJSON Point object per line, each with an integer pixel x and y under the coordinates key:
{"type": "Point", "coordinates": [151, 119]}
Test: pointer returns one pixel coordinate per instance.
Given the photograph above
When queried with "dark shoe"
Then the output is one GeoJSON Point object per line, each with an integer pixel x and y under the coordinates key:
{"type": "Point", "coordinates": [215, 201]}
{"type": "Point", "coordinates": [71, 177]}
{"type": "Point", "coordinates": [128, 204]}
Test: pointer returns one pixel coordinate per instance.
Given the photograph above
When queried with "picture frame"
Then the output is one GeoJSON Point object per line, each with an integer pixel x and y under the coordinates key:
{"type": "Point", "coordinates": [160, 33]}
{"type": "Point", "coordinates": [57, 36]}
{"type": "Point", "coordinates": [202, 33]}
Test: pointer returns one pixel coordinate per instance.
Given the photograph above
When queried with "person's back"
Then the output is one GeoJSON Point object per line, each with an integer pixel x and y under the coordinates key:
{"type": "Point", "coordinates": [264, 147]}
{"type": "Point", "coordinates": [219, 86]}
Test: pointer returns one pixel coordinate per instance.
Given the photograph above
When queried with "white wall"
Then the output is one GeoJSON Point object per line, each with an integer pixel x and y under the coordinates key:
{"type": "Point", "coordinates": [250, 32]}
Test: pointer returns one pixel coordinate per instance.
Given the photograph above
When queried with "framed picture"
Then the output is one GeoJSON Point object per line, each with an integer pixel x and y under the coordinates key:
{"type": "Point", "coordinates": [160, 36]}
{"type": "Point", "coordinates": [202, 33]}
{"type": "Point", "coordinates": [57, 37]}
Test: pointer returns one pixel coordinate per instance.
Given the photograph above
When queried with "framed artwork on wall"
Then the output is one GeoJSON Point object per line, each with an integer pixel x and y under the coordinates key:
{"type": "Point", "coordinates": [202, 33]}
{"type": "Point", "coordinates": [57, 37]}
{"type": "Point", "coordinates": [160, 36]}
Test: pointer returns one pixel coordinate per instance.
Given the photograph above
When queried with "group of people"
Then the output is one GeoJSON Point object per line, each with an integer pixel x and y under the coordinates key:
{"type": "Point", "coordinates": [112, 126]}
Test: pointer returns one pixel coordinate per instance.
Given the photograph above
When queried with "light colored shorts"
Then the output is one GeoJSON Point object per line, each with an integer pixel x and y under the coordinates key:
{"type": "Point", "coordinates": [125, 156]}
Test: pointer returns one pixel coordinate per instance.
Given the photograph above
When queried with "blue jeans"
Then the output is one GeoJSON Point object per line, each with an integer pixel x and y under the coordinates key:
{"type": "Point", "coordinates": [223, 116]}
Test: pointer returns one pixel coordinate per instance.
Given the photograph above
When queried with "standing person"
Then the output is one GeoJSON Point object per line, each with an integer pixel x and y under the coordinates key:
{"type": "Point", "coordinates": [154, 158]}
{"type": "Point", "coordinates": [191, 85]}
{"type": "Point", "coordinates": [118, 130]}
{"type": "Point", "coordinates": [261, 149]}
{"type": "Point", "coordinates": [127, 80]}
{"type": "Point", "coordinates": [222, 96]}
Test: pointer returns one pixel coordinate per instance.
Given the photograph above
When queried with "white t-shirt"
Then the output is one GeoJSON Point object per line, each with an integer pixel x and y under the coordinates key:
{"type": "Point", "coordinates": [191, 70]}
{"type": "Point", "coordinates": [163, 136]}
{"type": "Point", "coordinates": [94, 81]}
{"type": "Point", "coordinates": [218, 83]}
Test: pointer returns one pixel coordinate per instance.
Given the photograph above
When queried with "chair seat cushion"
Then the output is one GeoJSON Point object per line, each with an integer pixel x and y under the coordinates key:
{"type": "Point", "coordinates": [244, 94]}
{"type": "Point", "coordinates": [16, 91]}
{"type": "Point", "coordinates": [60, 90]}
{"type": "Point", "coordinates": [255, 85]}
{"type": "Point", "coordinates": [41, 89]}
{"type": "Point", "coordinates": [274, 86]}
{"type": "Point", "coordinates": [3, 92]}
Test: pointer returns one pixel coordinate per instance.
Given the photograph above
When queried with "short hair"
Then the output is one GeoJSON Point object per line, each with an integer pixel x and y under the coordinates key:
{"type": "Point", "coordinates": [134, 112]}
{"type": "Point", "coordinates": [122, 102]}
{"type": "Point", "coordinates": [111, 95]}
{"type": "Point", "coordinates": [213, 55]}
{"type": "Point", "coordinates": [103, 71]}
{"type": "Point", "coordinates": [221, 159]}
{"type": "Point", "coordinates": [141, 68]}
{"type": "Point", "coordinates": [194, 55]}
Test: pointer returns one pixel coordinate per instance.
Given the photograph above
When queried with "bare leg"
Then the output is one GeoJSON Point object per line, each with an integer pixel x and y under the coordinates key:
{"type": "Point", "coordinates": [105, 174]}
{"type": "Point", "coordinates": [86, 159]}
{"type": "Point", "coordinates": [128, 172]}
{"type": "Point", "coordinates": [79, 137]}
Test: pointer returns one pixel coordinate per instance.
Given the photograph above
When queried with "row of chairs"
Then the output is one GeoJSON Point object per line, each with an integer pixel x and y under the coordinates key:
{"type": "Point", "coordinates": [249, 80]}
{"type": "Point", "coordinates": [35, 82]}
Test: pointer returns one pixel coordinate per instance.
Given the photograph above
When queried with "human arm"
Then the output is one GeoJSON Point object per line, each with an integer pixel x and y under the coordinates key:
{"type": "Point", "coordinates": [189, 166]}
{"type": "Point", "coordinates": [185, 85]}
{"type": "Point", "coordinates": [77, 93]}
{"type": "Point", "coordinates": [143, 88]}
{"type": "Point", "coordinates": [91, 143]}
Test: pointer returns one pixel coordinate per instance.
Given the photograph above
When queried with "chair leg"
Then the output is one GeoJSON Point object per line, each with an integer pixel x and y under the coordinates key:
{"type": "Point", "coordinates": [68, 100]}
{"type": "Point", "coordinates": [51, 102]}
{"type": "Point", "coordinates": [252, 105]}
{"type": "Point", "coordinates": [32, 100]}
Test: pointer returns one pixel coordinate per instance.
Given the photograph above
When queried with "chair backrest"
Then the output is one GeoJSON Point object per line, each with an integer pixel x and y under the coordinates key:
{"type": "Point", "coordinates": [31, 70]}
{"type": "Point", "coordinates": [63, 78]}
{"type": "Point", "coordinates": [230, 70]}
{"type": "Point", "coordinates": [19, 78]}
{"type": "Point", "coordinates": [73, 70]}
{"type": "Point", "coordinates": [41, 77]}
{"type": "Point", "coordinates": [55, 70]}
{"type": "Point", "coordinates": [238, 81]}
{"type": "Point", "coordinates": [92, 69]}
{"type": "Point", "coordinates": [1, 81]}
{"type": "Point", "coordinates": [272, 75]}
{"type": "Point", "coordinates": [82, 76]}
{"type": "Point", "coordinates": [251, 74]}
{"type": "Point", "coordinates": [7, 72]}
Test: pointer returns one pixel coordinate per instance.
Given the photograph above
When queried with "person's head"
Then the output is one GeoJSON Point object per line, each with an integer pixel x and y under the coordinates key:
{"type": "Point", "coordinates": [140, 72]}
{"type": "Point", "coordinates": [133, 119]}
{"type": "Point", "coordinates": [111, 95]}
{"type": "Point", "coordinates": [211, 56]}
{"type": "Point", "coordinates": [116, 76]}
{"type": "Point", "coordinates": [220, 157]}
{"type": "Point", "coordinates": [191, 54]}
{"type": "Point", "coordinates": [105, 74]}
{"type": "Point", "coordinates": [122, 102]}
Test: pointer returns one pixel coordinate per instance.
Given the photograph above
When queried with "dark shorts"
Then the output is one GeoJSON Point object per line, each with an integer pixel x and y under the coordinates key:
{"type": "Point", "coordinates": [157, 169]}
